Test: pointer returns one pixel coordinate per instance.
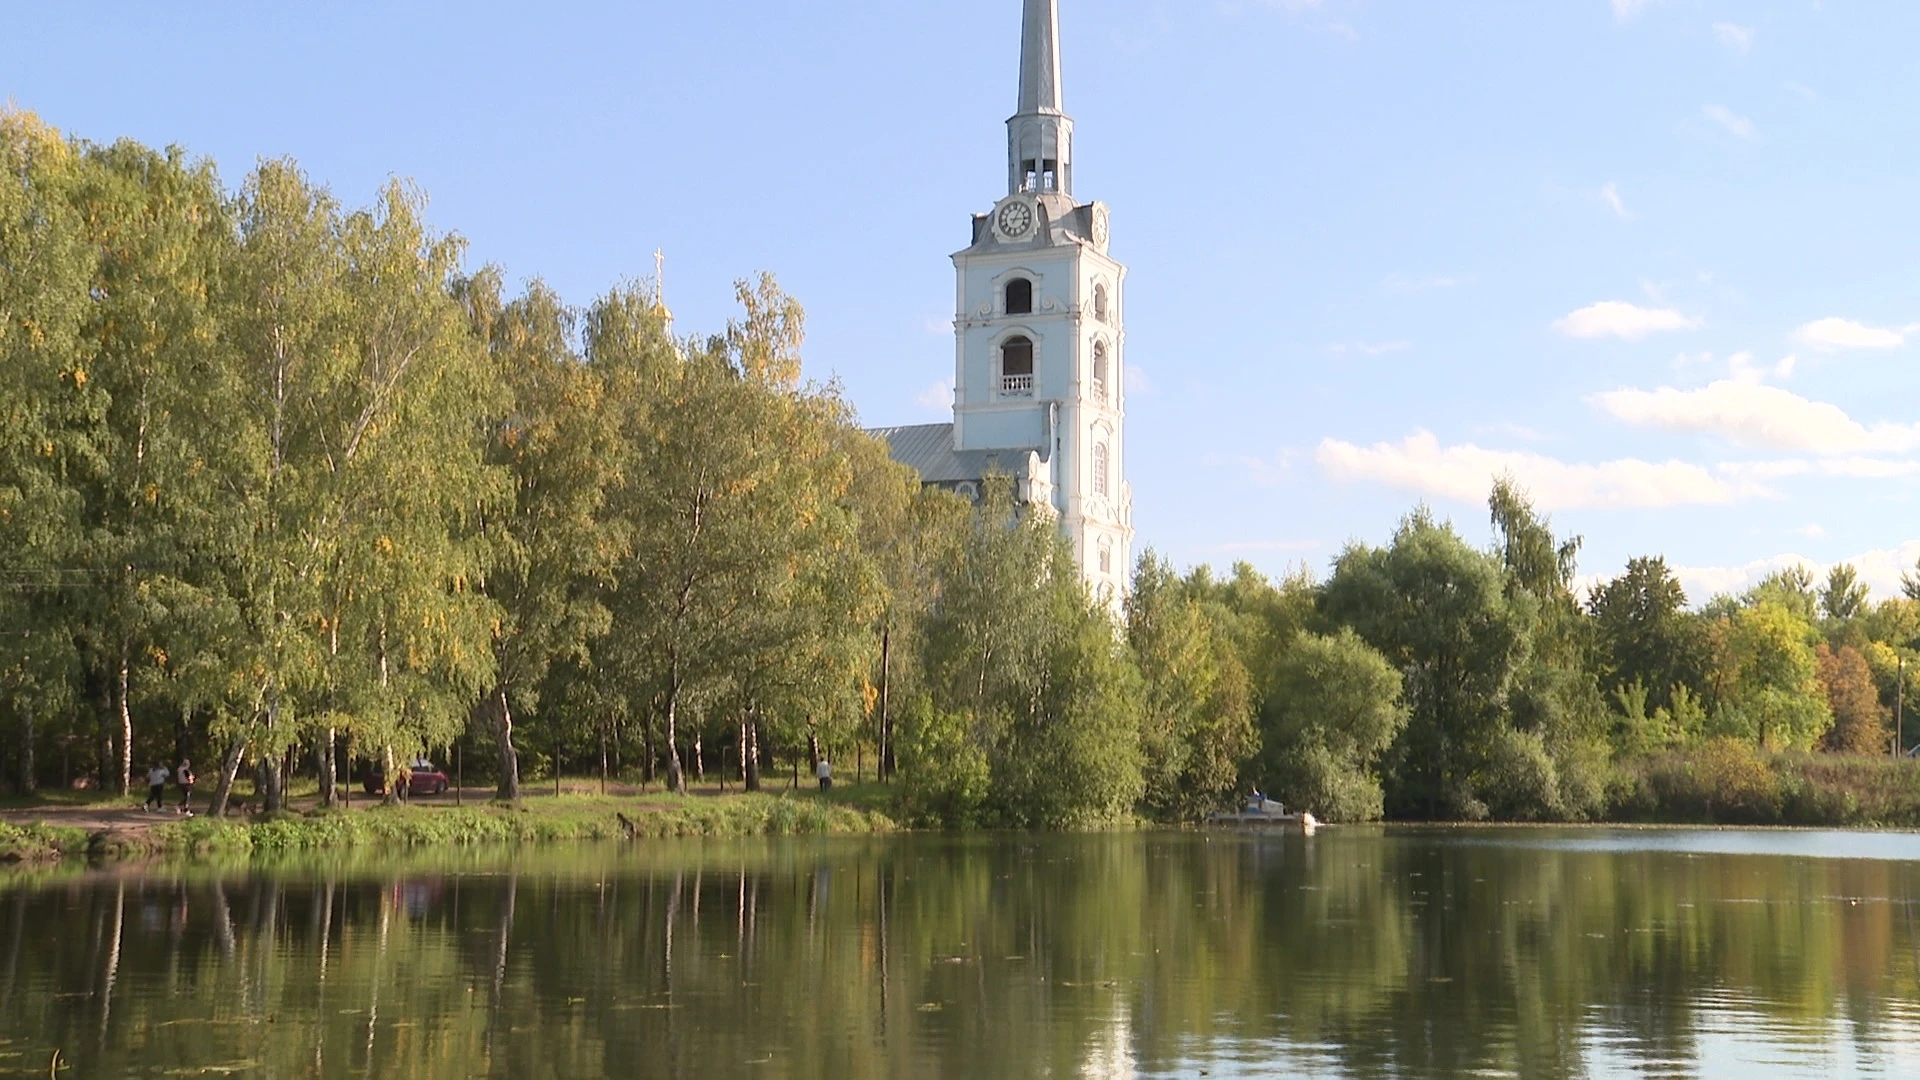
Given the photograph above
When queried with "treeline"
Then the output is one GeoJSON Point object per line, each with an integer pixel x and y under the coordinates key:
{"type": "Point", "coordinates": [284, 486]}
{"type": "Point", "coordinates": [281, 483]}
{"type": "Point", "coordinates": [1432, 679]}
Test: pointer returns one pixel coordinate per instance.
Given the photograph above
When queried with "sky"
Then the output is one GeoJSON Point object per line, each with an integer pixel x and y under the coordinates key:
{"type": "Point", "coordinates": [1654, 259]}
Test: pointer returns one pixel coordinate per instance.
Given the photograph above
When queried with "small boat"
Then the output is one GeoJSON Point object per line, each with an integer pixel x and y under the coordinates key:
{"type": "Point", "coordinates": [1261, 811]}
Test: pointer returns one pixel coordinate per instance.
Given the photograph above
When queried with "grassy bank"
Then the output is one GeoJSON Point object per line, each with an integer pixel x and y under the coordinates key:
{"type": "Point", "coordinates": [549, 821]}
{"type": "Point", "coordinates": [1732, 783]}
{"type": "Point", "coordinates": [35, 843]}
{"type": "Point", "coordinates": [535, 821]}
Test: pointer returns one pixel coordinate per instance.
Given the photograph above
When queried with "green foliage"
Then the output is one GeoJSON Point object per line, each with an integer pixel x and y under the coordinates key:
{"type": "Point", "coordinates": [1197, 727]}
{"type": "Point", "coordinates": [1643, 633]}
{"type": "Point", "coordinates": [37, 843]}
{"type": "Point", "coordinates": [1333, 707]}
{"type": "Point", "coordinates": [1844, 596]}
{"type": "Point", "coordinates": [1017, 649]}
{"type": "Point", "coordinates": [1770, 689]}
{"type": "Point", "coordinates": [1440, 612]}
{"type": "Point", "coordinates": [947, 780]}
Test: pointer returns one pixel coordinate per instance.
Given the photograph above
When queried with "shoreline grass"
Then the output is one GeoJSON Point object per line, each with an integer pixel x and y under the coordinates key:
{"type": "Point", "coordinates": [542, 821]}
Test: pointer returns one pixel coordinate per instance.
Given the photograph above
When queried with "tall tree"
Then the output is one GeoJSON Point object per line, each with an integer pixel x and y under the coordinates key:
{"type": "Point", "coordinates": [1030, 668]}
{"type": "Point", "coordinates": [1768, 679]}
{"type": "Point", "coordinates": [152, 393]}
{"type": "Point", "coordinates": [551, 553]}
{"type": "Point", "coordinates": [1861, 723]}
{"type": "Point", "coordinates": [44, 301]}
{"type": "Point", "coordinates": [1333, 709]}
{"type": "Point", "coordinates": [1197, 726]}
{"type": "Point", "coordinates": [1844, 596]}
{"type": "Point", "coordinates": [1644, 635]}
{"type": "Point", "coordinates": [1440, 612]}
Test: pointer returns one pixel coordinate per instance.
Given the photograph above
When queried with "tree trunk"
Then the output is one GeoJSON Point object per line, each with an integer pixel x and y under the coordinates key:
{"type": "Point", "coordinates": [271, 786]}
{"type": "Point", "coordinates": [750, 749]}
{"type": "Point", "coordinates": [29, 778]}
{"type": "Point", "coordinates": [699, 760]}
{"type": "Point", "coordinates": [508, 789]}
{"type": "Point", "coordinates": [124, 715]}
{"type": "Point", "coordinates": [885, 764]}
{"type": "Point", "coordinates": [229, 769]}
{"type": "Point", "coordinates": [392, 778]}
{"type": "Point", "coordinates": [323, 759]}
{"type": "Point", "coordinates": [676, 780]}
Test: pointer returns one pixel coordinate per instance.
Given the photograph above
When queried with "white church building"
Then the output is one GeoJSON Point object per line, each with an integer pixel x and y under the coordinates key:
{"type": "Point", "coordinates": [1039, 390]}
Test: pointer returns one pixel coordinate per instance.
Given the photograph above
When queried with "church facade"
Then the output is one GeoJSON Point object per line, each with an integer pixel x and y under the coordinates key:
{"type": "Point", "coordinates": [1039, 371]}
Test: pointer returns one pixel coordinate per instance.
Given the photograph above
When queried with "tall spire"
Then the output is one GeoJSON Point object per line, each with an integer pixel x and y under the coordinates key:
{"type": "Point", "coordinates": [1040, 58]}
{"type": "Point", "coordinates": [1040, 137]}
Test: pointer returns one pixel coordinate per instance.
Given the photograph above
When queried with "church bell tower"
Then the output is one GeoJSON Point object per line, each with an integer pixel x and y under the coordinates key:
{"type": "Point", "coordinates": [1040, 362]}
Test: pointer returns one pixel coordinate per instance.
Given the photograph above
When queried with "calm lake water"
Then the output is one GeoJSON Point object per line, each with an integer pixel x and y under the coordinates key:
{"type": "Point", "coordinates": [1359, 952]}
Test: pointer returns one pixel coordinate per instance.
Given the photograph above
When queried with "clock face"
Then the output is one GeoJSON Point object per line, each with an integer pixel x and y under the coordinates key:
{"type": "Point", "coordinates": [1015, 219]}
{"type": "Point", "coordinates": [1100, 227]}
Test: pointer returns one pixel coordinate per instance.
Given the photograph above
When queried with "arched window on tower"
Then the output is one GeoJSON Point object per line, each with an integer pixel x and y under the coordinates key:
{"type": "Point", "coordinates": [1019, 297]}
{"type": "Point", "coordinates": [1100, 469]}
{"type": "Point", "coordinates": [1016, 367]}
{"type": "Point", "coordinates": [1100, 302]}
{"type": "Point", "coordinates": [1100, 372]}
{"type": "Point", "coordinates": [1106, 557]}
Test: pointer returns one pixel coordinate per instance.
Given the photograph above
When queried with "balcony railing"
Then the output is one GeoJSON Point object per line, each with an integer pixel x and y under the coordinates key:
{"type": "Point", "coordinates": [1016, 385]}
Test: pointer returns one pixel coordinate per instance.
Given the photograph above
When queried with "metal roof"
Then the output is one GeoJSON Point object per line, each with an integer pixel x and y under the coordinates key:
{"type": "Point", "coordinates": [929, 449]}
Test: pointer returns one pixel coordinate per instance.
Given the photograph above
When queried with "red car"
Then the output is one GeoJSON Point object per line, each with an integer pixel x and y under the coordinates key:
{"type": "Point", "coordinates": [424, 779]}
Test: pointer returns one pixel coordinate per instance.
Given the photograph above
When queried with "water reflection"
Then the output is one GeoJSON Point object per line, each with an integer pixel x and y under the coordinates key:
{"type": "Point", "coordinates": [1357, 953]}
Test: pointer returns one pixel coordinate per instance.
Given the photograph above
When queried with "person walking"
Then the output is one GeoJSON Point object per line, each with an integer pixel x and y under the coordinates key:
{"type": "Point", "coordinates": [825, 773]}
{"type": "Point", "coordinates": [185, 779]}
{"type": "Point", "coordinates": [156, 788]}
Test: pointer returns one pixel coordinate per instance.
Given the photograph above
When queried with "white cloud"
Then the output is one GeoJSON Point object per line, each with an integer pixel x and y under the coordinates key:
{"type": "Point", "coordinates": [1368, 348]}
{"type": "Point", "coordinates": [1738, 126]}
{"type": "Point", "coordinates": [1627, 9]}
{"type": "Point", "coordinates": [1757, 415]}
{"type": "Point", "coordinates": [1812, 531]}
{"type": "Point", "coordinates": [1741, 366]}
{"type": "Point", "coordinates": [1735, 37]}
{"type": "Point", "coordinates": [1615, 318]}
{"type": "Point", "coordinates": [1611, 196]}
{"type": "Point", "coordinates": [936, 398]}
{"type": "Point", "coordinates": [1834, 334]}
{"type": "Point", "coordinates": [1805, 92]}
{"type": "Point", "coordinates": [1880, 569]}
{"type": "Point", "coordinates": [1466, 473]}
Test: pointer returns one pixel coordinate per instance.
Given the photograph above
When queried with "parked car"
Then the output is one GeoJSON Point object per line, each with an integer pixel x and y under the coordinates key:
{"type": "Point", "coordinates": [424, 779]}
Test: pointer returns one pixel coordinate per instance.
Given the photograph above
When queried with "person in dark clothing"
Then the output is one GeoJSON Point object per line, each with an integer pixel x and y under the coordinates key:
{"type": "Point", "coordinates": [156, 788]}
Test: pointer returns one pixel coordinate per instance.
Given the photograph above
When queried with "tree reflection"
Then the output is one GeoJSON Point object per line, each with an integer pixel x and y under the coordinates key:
{"type": "Point", "coordinates": [1362, 953]}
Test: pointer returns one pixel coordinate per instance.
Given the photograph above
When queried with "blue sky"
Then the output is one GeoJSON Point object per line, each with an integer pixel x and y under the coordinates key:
{"type": "Point", "coordinates": [1656, 258]}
